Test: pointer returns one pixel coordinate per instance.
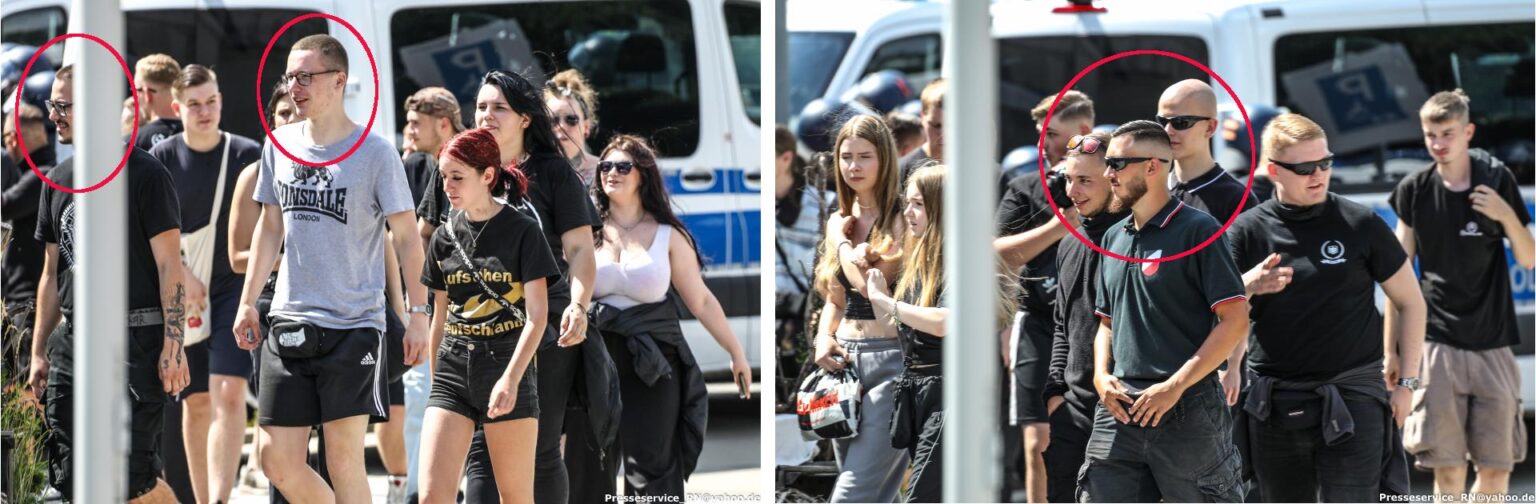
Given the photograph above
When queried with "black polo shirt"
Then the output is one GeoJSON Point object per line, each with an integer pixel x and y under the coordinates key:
{"type": "Point", "coordinates": [1325, 321]}
{"type": "Point", "coordinates": [1216, 193]}
{"type": "Point", "coordinates": [1162, 312]}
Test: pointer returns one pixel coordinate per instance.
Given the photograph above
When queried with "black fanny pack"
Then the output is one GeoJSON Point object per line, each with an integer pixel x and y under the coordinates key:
{"type": "Point", "coordinates": [1295, 409]}
{"type": "Point", "coordinates": [292, 339]}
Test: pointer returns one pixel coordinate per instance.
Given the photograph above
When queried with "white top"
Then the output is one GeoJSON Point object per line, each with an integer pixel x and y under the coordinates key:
{"type": "Point", "coordinates": [635, 279]}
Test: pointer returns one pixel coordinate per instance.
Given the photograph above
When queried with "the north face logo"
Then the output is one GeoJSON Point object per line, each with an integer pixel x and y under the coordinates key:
{"type": "Point", "coordinates": [1150, 268]}
{"type": "Point", "coordinates": [367, 359]}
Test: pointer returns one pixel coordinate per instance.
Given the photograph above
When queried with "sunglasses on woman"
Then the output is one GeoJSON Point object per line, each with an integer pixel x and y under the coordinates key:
{"type": "Point", "coordinates": [623, 167]}
{"type": "Point", "coordinates": [1182, 122]}
{"type": "Point", "coordinates": [1119, 163]}
{"type": "Point", "coordinates": [1088, 144]}
{"type": "Point", "coordinates": [1306, 168]}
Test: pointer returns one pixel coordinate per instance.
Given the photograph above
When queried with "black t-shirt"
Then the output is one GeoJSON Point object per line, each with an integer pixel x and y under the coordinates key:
{"type": "Point", "coordinates": [515, 255]}
{"type": "Point", "coordinates": [152, 209]}
{"type": "Point", "coordinates": [196, 175]}
{"type": "Point", "coordinates": [420, 169]}
{"type": "Point", "coordinates": [1216, 192]}
{"type": "Point", "coordinates": [1325, 321]}
{"type": "Point", "coordinates": [24, 255]}
{"type": "Point", "coordinates": [556, 199]}
{"type": "Point", "coordinates": [1464, 271]}
{"type": "Point", "coordinates": [158, 130]}
{"type": "Point", "coordinates": [911, 162]}
{"type": "Point", "coordinates": [1023, 208]}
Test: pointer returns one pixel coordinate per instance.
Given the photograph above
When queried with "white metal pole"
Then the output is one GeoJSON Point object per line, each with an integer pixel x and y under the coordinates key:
{"type": "Point", "coordinates": [971, 363]}
{"type": "Point", "coordinates": [781, 75]}
{"type": "Point", "coordinates": [101, 288]}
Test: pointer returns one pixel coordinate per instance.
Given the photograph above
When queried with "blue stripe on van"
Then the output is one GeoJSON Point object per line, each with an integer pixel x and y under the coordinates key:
{"type": "Point", "coordinates": [725, 180]}
{"type": "Point", "coordinates": [726, 238]}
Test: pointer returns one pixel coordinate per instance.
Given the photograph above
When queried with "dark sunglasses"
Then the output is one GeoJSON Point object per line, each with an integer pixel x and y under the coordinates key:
{"type": "Point", "coordinates": [1308, 167]}
{"type": "Point", "coordinates": [623, 167]}
{"type": "Point", "coordinates": [1119, 163]}
{"type": "Point", "coordinates": [1182, 122]}
{"type": "Point", "coordinates": [570, 120]}
{"type": "Point", "coordinates": [1088, 144]}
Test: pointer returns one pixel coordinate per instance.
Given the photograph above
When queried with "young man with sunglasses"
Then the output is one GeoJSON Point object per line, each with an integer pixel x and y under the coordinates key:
{"type": "Point", "coordinates": [1187, 112]}
{"type": "Point", "coordinates": [1455, 216]}
{"type": "Point", "coordinates": [1161, 431]}
{"type": "Point", "coordinates": [1313, 262]}
{"type": "Point", "coordinates": [1069, 393]}
{"type": "Point", "coordinates": [326, 361]}
{"type": "Point", "coordinates": [152, 79]}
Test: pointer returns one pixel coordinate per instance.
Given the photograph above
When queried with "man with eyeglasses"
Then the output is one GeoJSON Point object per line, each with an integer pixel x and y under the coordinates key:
{"type": "Point", "coordinates": [204, 162]}
{"type": "Point", "coordinates": [1161, 430]}
{"type": "Point", "coordinates": [157, 364]}
{"type": "Point", "coordinates": [326, 362]}
{"type": "Point", "coordinates": [152, 79]}
{"type": "Point", "coordinates": [1455, 216]}
{"type": "Point", "coordinates": [1318, 420]}
{"type": "Point", "coordinates": [1069, 393]}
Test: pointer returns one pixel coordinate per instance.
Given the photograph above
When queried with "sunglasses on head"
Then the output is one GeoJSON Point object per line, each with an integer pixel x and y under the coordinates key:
{"type": "Point", "coordinates": [1119, 163]}
{"type": "Point", "coordinates": [570, 120]}
{"type": "Point", "coordinates": [1084, 144]}
{"type": "Point", "coordinates": [1306, 168]}
{"type": "Point", "coordinates": [623, 167]}
{"type": "Point", "coordinates": [1182, 122]}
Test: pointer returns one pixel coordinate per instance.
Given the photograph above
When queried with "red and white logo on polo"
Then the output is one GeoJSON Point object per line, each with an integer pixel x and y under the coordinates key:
{"type": "Point", "coordinates": [1150, 268]}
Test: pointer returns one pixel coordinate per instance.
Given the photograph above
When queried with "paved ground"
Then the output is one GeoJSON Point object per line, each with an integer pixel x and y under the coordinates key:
{"type": "Point", "coordinates": [728, 469]}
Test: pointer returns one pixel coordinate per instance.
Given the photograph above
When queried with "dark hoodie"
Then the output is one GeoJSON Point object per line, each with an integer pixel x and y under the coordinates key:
{"type": "Point", "coordinates": [1077, 270]}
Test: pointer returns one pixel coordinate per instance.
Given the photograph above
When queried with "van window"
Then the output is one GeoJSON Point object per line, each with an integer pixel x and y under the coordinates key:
{"type": "Point", "coordinates": [1032, 68]}
{"type": "Point", "coordinates": [813, 60]}
{"type": "Point", "coordinates": [919, 57]}
{"type": "Point", "coordinates": [638, 56]}
{"type": "Point", "coordinates": [1491, 62]}
{"type": "Point", "coordinates": [36, 27]}
{"type": "Point", "coordinates": [743, 26]}
{"type": "Point", "coordinates": [228, 41]}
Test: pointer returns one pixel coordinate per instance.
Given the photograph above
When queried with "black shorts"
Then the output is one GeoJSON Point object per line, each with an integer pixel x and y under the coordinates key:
{"type": "Point", "coordinates": [467, 371]}
{"type": "Point", "coordinates": [1031, 365]}
{"type": "Point", "coordinates": [146, 395]}
{"type": "Point", "coordinates": [345, 382]}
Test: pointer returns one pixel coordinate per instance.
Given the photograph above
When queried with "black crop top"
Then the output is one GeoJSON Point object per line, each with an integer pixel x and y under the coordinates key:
{"type": "Point", "coordinates": [857, 306]}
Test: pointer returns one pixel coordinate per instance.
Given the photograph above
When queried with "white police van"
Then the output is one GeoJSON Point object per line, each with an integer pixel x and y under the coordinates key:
{"type": "Point", "coordinates": [683, 74]}
{"type": "Point", "coordinates": [1361, 68]}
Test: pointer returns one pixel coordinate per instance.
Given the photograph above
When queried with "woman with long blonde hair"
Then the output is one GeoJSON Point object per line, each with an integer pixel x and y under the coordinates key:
{"type": "Point", "coordinates": [863, 235]}
{"type": "Point", "coordinates": [918, 313]}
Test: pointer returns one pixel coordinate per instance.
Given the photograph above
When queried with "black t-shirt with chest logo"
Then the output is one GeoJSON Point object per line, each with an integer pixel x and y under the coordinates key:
{"type": "Point", "coordinates": [507, 250]}
{"type": "Point", "coordinates": [1325, 321]}
{"type": "Point", "coordinates": [1464, 270]}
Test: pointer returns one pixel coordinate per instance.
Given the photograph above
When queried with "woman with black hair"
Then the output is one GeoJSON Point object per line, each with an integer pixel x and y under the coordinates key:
{"type": "Point", "coordinates": [513, 111]}
{"type": "Point", "coordinates": [645, 253]}
{"type": "Point", "coordinates": [490, 296]}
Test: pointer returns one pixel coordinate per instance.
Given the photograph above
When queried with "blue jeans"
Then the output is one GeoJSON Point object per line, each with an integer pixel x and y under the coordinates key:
{"type": "Point", "coordinates": [1188, 457]}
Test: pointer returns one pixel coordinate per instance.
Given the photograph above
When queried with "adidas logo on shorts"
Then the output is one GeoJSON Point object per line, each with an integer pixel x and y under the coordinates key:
{"type": "Point", "coordinates": [367, 359]}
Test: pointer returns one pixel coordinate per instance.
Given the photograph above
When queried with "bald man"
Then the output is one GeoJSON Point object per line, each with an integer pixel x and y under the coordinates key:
{"type": "Point", "coordinates": [1187, 111]}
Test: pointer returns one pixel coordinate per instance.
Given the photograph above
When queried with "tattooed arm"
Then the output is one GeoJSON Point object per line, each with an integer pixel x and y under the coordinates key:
{"type": "Point", "coordinates": [173, 361]}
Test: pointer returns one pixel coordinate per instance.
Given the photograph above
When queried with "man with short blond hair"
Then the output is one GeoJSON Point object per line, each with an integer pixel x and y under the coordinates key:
{"type": "Point", "coordinates": [1073, 116]}
{"type": "Point", "coordinates": [932, 150]}
{"type": "Point", "coordinates": [1456, 215]}
{"type": "Point", "coordinates": [153, 76]}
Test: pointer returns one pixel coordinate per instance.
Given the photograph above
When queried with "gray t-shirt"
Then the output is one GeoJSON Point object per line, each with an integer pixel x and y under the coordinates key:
{"type": "Point", "coordinates": [333, 217]}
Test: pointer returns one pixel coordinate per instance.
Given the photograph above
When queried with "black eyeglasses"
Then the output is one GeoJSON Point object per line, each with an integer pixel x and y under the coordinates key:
{"type": "Point", "coordinates": [570, 120]}
{"type": "Point", "coordinates": [1088, 144]}
{"type": "Point", "coordinates": [1307, 168]}
{"type": "Point", "coordinates": [1119, 163]}
{"type": "Point", "coordinates": [303, 78]}
{"type": "Point", "coordinates": [1182, 122]}
{"type": "Point", "coordinates": [59, 106]}
{"type": "Point", "coordinates": [623, 167]}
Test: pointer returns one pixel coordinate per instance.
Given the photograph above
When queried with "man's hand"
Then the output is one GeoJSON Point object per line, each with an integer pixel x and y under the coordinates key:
{"type": "Point", "coordinates": [174, 375]}
{"type": "Point", "coordinates": [1113, 396]}
{"type": "Point", "coordinates": [573, 325]}
{"type": "Point", "coordinates": [1156, 401]}
{"type": "Point", "coordinates": [1266, 278]}
{"type": "Point", "coordinates": [37, 378]}
{"type": "Point", "coordinates": [416, 339]}
{"type": "Point", "coordinates": [1402, 404]}
{"type": "Point", "coordinates": [1231, 383]}
{"type": "Point", "coordinates": [1391, 370]}
{"type": "Point", "coordinates": [247, 327]}
{"type": "Point", "coordinates": [1488, 203]}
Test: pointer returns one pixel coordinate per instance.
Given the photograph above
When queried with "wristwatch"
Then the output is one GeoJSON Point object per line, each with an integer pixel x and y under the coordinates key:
{"type": "Point", "coordinates": [1412, 384]}
{"type": "Point", "coordinates": [423, 309]}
